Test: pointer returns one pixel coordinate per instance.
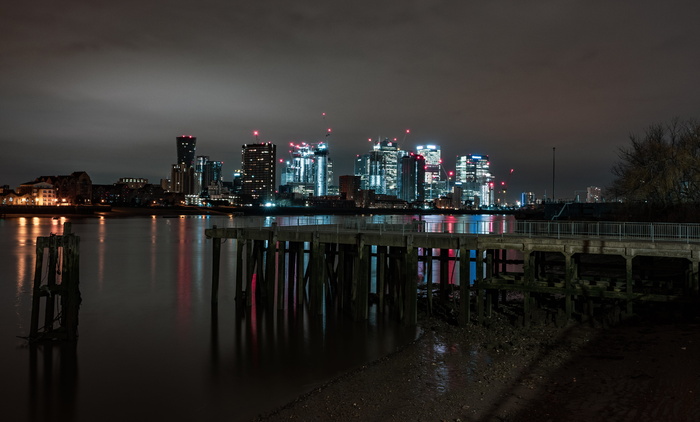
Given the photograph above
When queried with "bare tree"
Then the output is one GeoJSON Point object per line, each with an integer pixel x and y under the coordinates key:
{"type": "Point", "coordinates": [662, 167]}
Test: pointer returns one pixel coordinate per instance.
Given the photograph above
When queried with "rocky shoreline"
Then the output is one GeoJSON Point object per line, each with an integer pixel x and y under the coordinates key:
{"type": "Point", "coordinates": [500, 372]}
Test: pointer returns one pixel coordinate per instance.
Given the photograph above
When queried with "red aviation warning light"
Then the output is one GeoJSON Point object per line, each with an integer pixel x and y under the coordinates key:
{"type": "Point", "coordinates": [256, 134]}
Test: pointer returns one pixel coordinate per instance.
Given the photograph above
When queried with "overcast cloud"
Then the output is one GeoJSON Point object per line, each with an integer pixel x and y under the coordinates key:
{"type": "Point", "coordinates": [105, 87]}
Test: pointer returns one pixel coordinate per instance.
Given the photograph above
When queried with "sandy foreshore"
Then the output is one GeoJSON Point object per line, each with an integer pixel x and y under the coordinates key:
{"type": "Point", "coordinates": [632, 372]}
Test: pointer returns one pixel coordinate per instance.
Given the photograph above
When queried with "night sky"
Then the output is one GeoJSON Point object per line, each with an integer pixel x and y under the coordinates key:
{"type": "Point", "coordinates": [105, 87]}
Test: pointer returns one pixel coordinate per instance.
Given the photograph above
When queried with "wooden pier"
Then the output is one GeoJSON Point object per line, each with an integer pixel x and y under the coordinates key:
{"type": "Point", "coordinates": [336, 265]}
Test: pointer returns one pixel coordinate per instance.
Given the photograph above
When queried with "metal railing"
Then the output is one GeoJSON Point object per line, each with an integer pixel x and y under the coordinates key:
{"type": "Point", "coordinates": [669, 232]}
{"type": "Point", "coordinates": [676, 232]}
{"type": "Point", "coordinates": [393, 224]}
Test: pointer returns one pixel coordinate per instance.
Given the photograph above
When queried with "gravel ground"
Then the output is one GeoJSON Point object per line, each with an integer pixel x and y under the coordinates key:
{"type": "Point", "coordinates": [504, 372]}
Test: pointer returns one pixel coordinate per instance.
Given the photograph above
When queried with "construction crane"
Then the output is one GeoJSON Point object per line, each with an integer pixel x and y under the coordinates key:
{"type": "Point", "coordinates": [504, 185]}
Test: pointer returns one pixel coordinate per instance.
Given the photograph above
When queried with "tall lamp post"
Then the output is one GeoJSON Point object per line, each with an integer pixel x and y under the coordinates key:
{"type": "Point", "coordinates": [554, 156]}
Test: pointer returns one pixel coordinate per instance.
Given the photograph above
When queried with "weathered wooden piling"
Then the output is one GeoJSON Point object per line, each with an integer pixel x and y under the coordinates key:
{"type": "Point", "coordinates": [322, 266]}
{"type": "Point", "coordinates": [216, 266]}
{"type": "Point", "coordinates": [61, 289]}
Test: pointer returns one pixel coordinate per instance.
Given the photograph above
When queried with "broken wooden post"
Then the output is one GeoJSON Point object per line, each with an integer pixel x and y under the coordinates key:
{"type": "Point", "coordinates": [411, 304]}
{"type": "Point", "coordinates": [216, 260]}
{"type": "Point", "coordinates": [64, 292]}
{"type": "Point", "coordinates": [464, 288]}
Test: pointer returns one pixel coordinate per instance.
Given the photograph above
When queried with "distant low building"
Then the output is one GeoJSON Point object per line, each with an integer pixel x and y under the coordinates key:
{"type": "Point", "coordinates": [36, 193]}
{"type": "Point", "coordinates": [331, 201]}
{"type": "Point", "coordinates": [74, 189]}
{"type": "Point", "coordinates": [133, 182]}
{"type": "Point", "coordinates": [594, 194]}
{"type": "Point", "coordinates": [349, 186]}
{"type": "Point", "coordinates": [120, 194]}
{"type": "Point", "coordinates": [44, 194]}
{"type": "Point", "coordinates": [11, 198]}
{"type": "Point", "coordinates": [369, 199]}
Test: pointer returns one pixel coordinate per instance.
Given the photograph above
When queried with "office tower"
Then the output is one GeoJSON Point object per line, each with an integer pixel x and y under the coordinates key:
{"type": "Point", "coordinates": [321, 169]}
{"type": "Point", "coordinates": [477, 182]}
{"type": "Point", "coordinates": [376, 180]}
{"type": "Point", "coordinates": [309, 172]}
{"type": "Point", "coordinates": [379, 169]}
{"type": "Point", "coordinates": [200, 184]}
{"type": "Point", "coordinates": [362, 170]}
{"type": "Point", "coordinates": [391, 154]}
{"type": "Point", "coordinates": [412, 178]}
{"type": "Point", "coordinates": [215, 172]}
{"type": "Point", "coordinates": [302, 164]}
{"type": "Point", "coordinates": [186, 146]}
{"type": "Point", "coordinates": [332, 188]}
{"type": "Point", "coordinates": [258, 184]}
{"type": "Point", "coordinates": [208, 174]}
{"type": "Point", "coordinates": [237, 182]}
{"type": "Point", "coordinates": [182, 174]}
{"type": "Point", "coordinates": [179, 179]}
{"type": "Point", "coordinates": [433, 162]}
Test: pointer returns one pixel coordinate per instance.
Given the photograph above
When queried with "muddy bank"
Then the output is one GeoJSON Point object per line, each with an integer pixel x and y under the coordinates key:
{"type": "Point", "coordinates": [634, 371]}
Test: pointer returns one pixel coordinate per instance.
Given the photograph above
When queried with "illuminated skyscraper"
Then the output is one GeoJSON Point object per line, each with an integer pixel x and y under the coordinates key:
{"type": "Point", "coordinates": [477, 182]}
{"type": "Point", "coordinates": [182, 174]}
{"type": "Point", "coordinates": [302, 163]}
{"type": "Point", "coordinates": [309, 170]}
{"type": "Point", "coordinates": [379, 169]}
{"type": "Point", "coordinates": [207, 174]}
{"type": "Point", "coordinates": [362, 170]}
{"type": "Point", "coordinates": [258, 180]}
{"type": "Point", "coordinates": [392, 156]}
{"type": "Point", "coordinates": [321, 169]}
{"type": "Point", "coordinates": [412, 186]}
{"type": "Point", "coordinates": [433, 161]}
{"type": "Point", "coordinates": [186, 146]}
{"type": "Point", "coordinates": [199, 183]}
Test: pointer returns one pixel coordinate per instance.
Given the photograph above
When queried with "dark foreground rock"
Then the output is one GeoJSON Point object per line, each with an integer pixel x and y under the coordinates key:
{"type": "Point", "coordinates": [508, 373]}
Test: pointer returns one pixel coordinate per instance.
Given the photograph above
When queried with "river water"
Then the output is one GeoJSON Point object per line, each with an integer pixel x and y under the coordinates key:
{"type": "Point", "coordinates": [152, 347]}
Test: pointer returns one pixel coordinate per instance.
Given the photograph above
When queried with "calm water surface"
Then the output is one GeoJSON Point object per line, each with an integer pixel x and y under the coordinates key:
{"type": "Point", "coordinates": [151, 346]}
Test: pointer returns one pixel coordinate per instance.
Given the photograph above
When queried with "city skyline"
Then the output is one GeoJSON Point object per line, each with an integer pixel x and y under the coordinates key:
{"type": "Point", "coordinates": [103, 88]}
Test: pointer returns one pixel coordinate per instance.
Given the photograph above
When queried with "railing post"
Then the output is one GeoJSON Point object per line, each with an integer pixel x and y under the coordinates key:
{"type": "Point", "coordinates": [620, 231]}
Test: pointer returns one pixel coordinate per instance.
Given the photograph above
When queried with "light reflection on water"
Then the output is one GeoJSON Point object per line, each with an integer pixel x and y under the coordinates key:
{"type": "Point", "coordinates": [150, 340]}
{"type": "Point", "coordinates": [451, 365]}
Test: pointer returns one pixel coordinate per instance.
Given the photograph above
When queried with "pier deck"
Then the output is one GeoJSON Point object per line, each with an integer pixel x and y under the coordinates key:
{"type": "Point", "coordinates": [337, 263]}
